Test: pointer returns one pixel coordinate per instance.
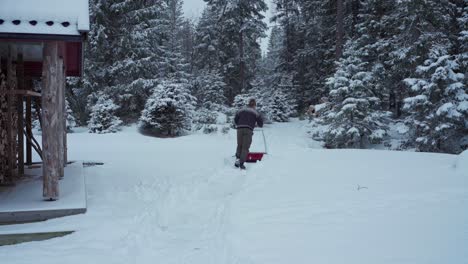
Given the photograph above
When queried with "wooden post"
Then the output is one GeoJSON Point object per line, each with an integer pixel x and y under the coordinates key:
{"type": "Point", "coordinates": [20, 106]}
{"type": "Point", "coordinates": [50, 120]}
{"type": "Point", "coordinates": [63, 105]}
{"type": "Point", "coordinates": [28, 122]}
{"type": "Point", "coordinates": [11, 86]}
{"type": "Point", "coordinates": [4, 161]}
{"type": "Point", "coordinates": [65, 114]}
{"type": "Point", "coordinates": [60, 115]}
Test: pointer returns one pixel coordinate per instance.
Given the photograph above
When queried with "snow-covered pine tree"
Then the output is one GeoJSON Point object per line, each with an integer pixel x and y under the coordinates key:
{"type": "Point", "coordinates": [239, 26]}
{"type": "Point", "coordinates": [276, 90]}
{"type": "Point", "coordinates": [356, 119]}
{"type": "Point", "coordinates": [173, 61]}
{"type": "Point", "coordinates": [103, 118]}
{"type": "Point", "coordinates": [280, 107]}
{"type": "Point", "coordinates": [207, 42]}
{"type": "Point", "coordinates": [135, 63]}
{"type": "Point", "coordinates": [187, 39]}
{"type": "Point", "coordinates": [439, 106]}
{"type": "Point", "coordinates": [438, 101]}
{"type": "Point", "coordinates": [291, 64]}
{"type": "Point", "coordinates": [169, 110]}
{"type": "Point", "coordinates": [380, 55]}
{"type": "Point", "coordinates": [462, 40]}
{"type": "Point", "coordinates": [209, 88]}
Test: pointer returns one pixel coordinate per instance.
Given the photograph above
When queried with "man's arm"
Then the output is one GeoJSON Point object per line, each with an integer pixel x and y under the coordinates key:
{"type": "Point", "coordinates": [236, 118]}
{"type": "Point", "coordinates": [259, 120]}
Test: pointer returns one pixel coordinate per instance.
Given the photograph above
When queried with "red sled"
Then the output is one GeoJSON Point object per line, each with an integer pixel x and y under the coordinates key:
{"type": "Point", "coordinates": [253, 157]}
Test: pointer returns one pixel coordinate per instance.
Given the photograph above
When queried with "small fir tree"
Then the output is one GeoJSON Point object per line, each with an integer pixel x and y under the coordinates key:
{"type": "Point", "coordinates": [169, 110]}
{"type": "Point", "coordinates": [103, 119]}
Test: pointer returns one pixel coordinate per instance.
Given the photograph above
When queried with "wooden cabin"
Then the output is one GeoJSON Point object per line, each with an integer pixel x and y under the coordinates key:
{"type": "Point", "coordinates": [41, 43]}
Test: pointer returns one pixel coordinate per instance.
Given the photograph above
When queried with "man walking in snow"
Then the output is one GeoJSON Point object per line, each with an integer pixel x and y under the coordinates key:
{"type": "Point", "coordinates": [245, 121]}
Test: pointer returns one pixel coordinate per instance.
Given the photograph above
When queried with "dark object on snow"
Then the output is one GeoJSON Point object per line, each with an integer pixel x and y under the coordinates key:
{"type": "Point", "coordinates": [245, 121]}
{"type": "Point", "coordinates": [92, 164]}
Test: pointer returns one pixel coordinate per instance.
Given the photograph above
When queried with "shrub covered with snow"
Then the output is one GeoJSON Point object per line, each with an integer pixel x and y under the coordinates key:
{"type": "Point", "coordinates": [169, 110]}
{"type": "Point", "coordinates": [103, 119]}
{"type": "Point", "coordinates": [206, 120]}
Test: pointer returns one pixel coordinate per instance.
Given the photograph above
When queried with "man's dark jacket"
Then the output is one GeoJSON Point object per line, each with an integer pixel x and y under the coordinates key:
{"type": "Point", "coordinates": [247, 117]}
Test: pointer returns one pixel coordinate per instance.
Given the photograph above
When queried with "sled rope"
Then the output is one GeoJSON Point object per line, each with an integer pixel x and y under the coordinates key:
{"type": "Point", "coordinates": [264, 140]}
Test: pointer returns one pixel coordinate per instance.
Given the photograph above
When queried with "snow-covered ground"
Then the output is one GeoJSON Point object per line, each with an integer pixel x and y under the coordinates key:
{"type": "Point", "coordinates": [180, 201]}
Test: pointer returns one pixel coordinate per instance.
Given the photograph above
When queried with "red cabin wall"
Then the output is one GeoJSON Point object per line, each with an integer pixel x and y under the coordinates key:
{"type": "Point", "coordinates": [73, 61]}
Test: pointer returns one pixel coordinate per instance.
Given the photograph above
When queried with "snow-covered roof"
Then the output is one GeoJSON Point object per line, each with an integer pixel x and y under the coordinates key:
{"type": "Point", "coordinates": [47, 17]}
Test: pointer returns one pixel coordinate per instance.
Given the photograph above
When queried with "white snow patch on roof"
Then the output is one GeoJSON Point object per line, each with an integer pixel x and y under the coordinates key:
{"type": "Point", "coordinates": [75, 12]}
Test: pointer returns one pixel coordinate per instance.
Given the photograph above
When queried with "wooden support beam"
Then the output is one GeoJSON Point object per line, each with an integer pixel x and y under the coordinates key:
{"type": "Point", "coordinates": [50, 120]}
{"type": "Point", "coordinates": [34, 144]}
{"type": "Point", "coordinates": [21, 92]}
{"type": "Point", "coordinates": [28, 122]}
{"type": "Point", "coordinates": [38, 109]}
{"type": "Point", "coordinates": [20, 107]}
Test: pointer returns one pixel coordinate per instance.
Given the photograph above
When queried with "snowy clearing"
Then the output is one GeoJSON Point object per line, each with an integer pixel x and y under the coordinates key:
{"type": "Point", "coordinates": [180, 201]}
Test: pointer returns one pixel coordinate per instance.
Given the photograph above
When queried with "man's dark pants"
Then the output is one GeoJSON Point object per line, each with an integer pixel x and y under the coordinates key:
{"type": "Point", "coordinates": [244, 140]}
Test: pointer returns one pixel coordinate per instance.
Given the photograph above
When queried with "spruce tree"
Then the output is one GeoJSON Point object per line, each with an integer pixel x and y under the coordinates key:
{"type": "Point", "coordinates": [103, 115]}
{"type": "Point", "coordinates": [208, 88]}
{"type": "Point", "coordinates": [169, 110]}
{"type": "Point", "coordinates": [239, 27]}
{"type": "Point", "coordinates": [437, 105]}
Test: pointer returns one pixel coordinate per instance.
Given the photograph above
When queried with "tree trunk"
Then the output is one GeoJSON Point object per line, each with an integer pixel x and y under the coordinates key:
{"type": "Point", "coordinates": [339, 28]}
{"type": "Point", "coordinates": [242, 63]}
{"type": "Point", "coordinates": [28, 122]}
{"type": "Point", "coordinates": [4, 160]}
{"type": "Point", "coordinates": [11, 125]}
{"type": "Point", "coordinates": [20, 107]}
{"type": "Point", "coordinates": [50, 120]}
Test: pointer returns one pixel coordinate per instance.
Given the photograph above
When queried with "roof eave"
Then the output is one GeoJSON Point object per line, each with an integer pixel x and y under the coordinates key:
{"type": "Point", "coordinates": [43, 37]}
